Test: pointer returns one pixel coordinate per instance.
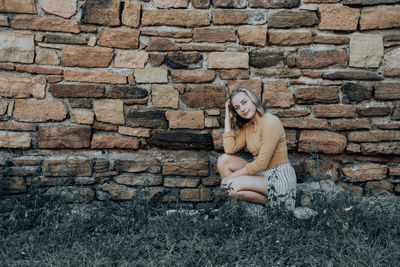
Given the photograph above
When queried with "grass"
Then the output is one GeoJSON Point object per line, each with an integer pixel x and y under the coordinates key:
{"type": "Point", "coordinates": [46, 232]}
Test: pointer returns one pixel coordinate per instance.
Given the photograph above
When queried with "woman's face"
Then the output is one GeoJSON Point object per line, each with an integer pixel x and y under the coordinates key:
{"type": "Point", "coordinates": [244, 107]}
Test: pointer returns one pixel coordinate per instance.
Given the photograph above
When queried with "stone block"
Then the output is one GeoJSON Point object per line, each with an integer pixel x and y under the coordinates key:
{"type": "Point", "coordinates": [355, 92]}
{"type": "Point", "coordinates": [94, 77]}
{"type": "Point", "coordinates": [387, 91]}
{"type": "Point", "coordinates": [127, 92]}
{"type": "Point", "coordinates": [181, 60]}
{"type": "Point", "coordinates": [62, 8]}
{"type": "Point", "coordinates": [189, 168]}
{"type": "Point", "coordinates": [228, 60]}
{"type": "Point", "coordinates": [226, 17]}
{"type": "Point", "coordinates": [131, 14]}
{"type": "Point", "coordinates": [64, 137]}
{"type": "Point", "coordinates": [100, 141]}
{"type": "Point", "coordinates": [109, 110]}
{"type": "Point", "coordinates": [137, 132]}
{"type": "Point", "coordinates": [151, 75]}
{"type": "Point", "coordinates": [294, 113]}
{"type": "Point", "coordinates": [317, 94]}
{"type": "Point", "coordinates": [253, 85]}
{"type": "Point", "coordinates": [290, 37]}
{"type": "Point", "coordinates": [181, 140]}
{"type": "Point", "coordinates": [335, 40]}
{"type": "Point", "coordinates": [211, 96]}
{"type": "Point", "coordinates": [90, 57]}
{"type": "Point", "coordinates": [82, 116]}
{"type": "Point", "coordinates": [192, 76]}
{"type": "Point", "coordinates": [22, 86]}
{"type": "Point", "coordinates": [374, 111]}
{"type": "Point", "coordinates": [335, 111]}
{"type": "Point", "coordinates": [214, 35]}
{"type": "Point", "coordinates": [146, 118]}
{"type": "Point", "coordinates": [196, 194]}
{"type": "Point", "coordinates": [316, 59]}
{"type": "Point", "coordinates": [374, 136]}
{"type": "Point", "coordinates": [277, 94]}
{"type": "Point", "coordinates": [379, 188]}
{"type": "Point", "coordinates": [292, 19]}
{"type": "Point", "coordinates": [364, 172]}
{"type": "Point", "coordinates": [137, 166]}
{"type": "Point", "coordinates": [104, 12]}
{"type": "Point", "coordinates": [253, 35]}
{"type": "Point", "coordinates": [185, 119]}
{"type": "Point", "coordinates": [45, 24]}
{"type": "Point", "coordinates": [18, 6]}
{"type": "Point", "coordinates": [15, 140]}
{"type": "Point", "coordinates": [203, 4]}
{"type": "Point", "coordinates": [64, 39]}
{"type": "Point", "coordinates": [115, 191]}
{"type": "Point", "coordinates": [164, 96]}
{"type": "Point", "coordinates": [304, 123]}
{"type": "Point", "coordinates": [345, 125]}
{"type": "Point", "coordinates": [17, 47]}
{"type": "Point", "coordinates": [384, 148]}
{"type": "Point", "coordinates": [352, 75]}
{"type": "Point", "coordinates": [274, 3]}
{"type": "Point", "coordinates": [217, 139]}
{"type": "Point", "coordinates": [46, 56]}
{"type": "Point", "coordinates": [368, 2]}
{"type": "Point", "coordinates": [131, 179]}
{"type": "Point", "coordinates": [265, 58]}
{"type": "Point", "coordinates": [325, 142]}
{"type": "Point", "coordinates": [338, 18]}
{"type": "Point", "coordinates": [39, 111]}
{"type": "Point", "coordinates": [234, 74]}
{"type": "Point", "coordinates": [119, 38]}
{"type": "Point", "coordinates": [17, 126]}
{"type": "Point", "coordinates": [380, 18]}
{"type": "Point", "coordinates": [162, 45]}
{"type": "Point", "coordinates": [77, 90]}
{"type": "Point", "coordinates": [180, 18]}
{"type": "Point", "coordinates": [366, 50]}
{"type": "Point", "coordinates": [181, 182]}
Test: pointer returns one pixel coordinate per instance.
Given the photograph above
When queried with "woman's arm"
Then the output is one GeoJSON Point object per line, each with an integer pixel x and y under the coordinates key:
{"type": "Point", "coordinates": [231, 143]}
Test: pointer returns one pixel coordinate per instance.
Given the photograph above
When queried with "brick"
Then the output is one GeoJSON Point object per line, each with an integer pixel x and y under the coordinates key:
{"type": "Point", "coordinates": [63, 39]}
{"type": "Point", "coordinates": [290, 37]}
{"type": "Point", "coordinates": [317, 94]}
{"type": "Point", "coordinates": [387, 91]}
{"type": "Point", "coordinates": [374, 136]}
{"type": "Point", "coordinates": [180, 119]}
{"type": "Point", "coordinates": [344, 125]}
{"type": "Point", "coordinates": [315, 59]}
{"type": "Point", "coordinates": [224, 17]}
{"type": "Point", "coordinates": [18, 6]}
{"type": "Point", "coordinates": [137, 180]}
{"type": "Point", "coordinates": [38, 70]}
{"type": "Point", "coordinates": [335, 111]}
{"type": "Point", "coordinates": [127, 92]}
{"type": "Point", "coordinates": [170, 139]}
{"type": "Point", "coordinates": [106, 141]}
{"type": "Point", "coordinates": [16, 47]}
{"type": "Point", "coordinates": [180, 18]}
{"type": "Point", "coordinates": [130, 59]}
{"type": "Point", "coordinates": [214, 35]}
{"type": "Point", "coordinates": [352, 75]}
{"type": "Point", "coordinates": [254, 85]}
{"type": "Point", "coordinates": [292, 19]}
{"type": "Point", "coordinates": [184, 60]}
{"type": "Point", "coordinates": [17, 126]}
{"type": "Point", "coordinates": [22, 86]}
{"type": "Point", "coordinates": [101, 12]}
{"type": "Point", "coordinates": [62, 8]}
{"type": "Point", "coordinates": [15, 140]}
{"type": "Point", "coordinates": [119, 38]}
{"type": "Point", "coordinates": [294, 113]}
{"type": "Point", "coordinates": [116, 192]}
{"type": "Point", "coordinates": [171, 3]}
{"type": "Point", "coordinates": [164, 96]}
{"type": "Point", "coordinates": [196, 195]}
{"type": "Point", "coordinates": [228, 60]}
{"type": "Point", "coordinates": [39, 111]}
{"type": "Point", "coordinates": [44, 24]}
{"type": "Point", "coordinates": [387, 148]}
{"type": "Point", "coordinates": [137, 166]}
{"type": "Point", "coordinates": [201, 3]}
{"type": "Point", "coordinates": [82, 116]}
{"type": "Point", "coordinates": [340, 18]}
{"type": "Point", "coordinates": [364, 172]}
{"type": "Point", "coordinates": [355, 93]}
{"type": "Point", "coordinates": [234, 74]}
{"type": "Point", "coordinates": [274, 3]}
{"type": "Point", "coordinates": [94, 77]}
{"type": "Point", "coordinates": [137, 132]}
{"type": "Point", "coordinates": [64, 137]}
{"type": "Point", "coordinates": [46, 56]}
{"type": "Point", "coordinates": [276, 94]}
{"type": "Point", "coordinates": [366, 50]}
{"type": "Point", "coordinates": [325, 142]}
{"type": "Point", "coordinates": [189, 168]}
{"type": "Point", "coordinates": [192, 76]}
{"type": "Point", "coordinates": [110, 111]}
{"type": "Point", "coordinates": [151, 75]}
{"type": "Point", "coordinates": [380, 18]}
{"type": "Point", "coordinates": [305, 123]}
{"type": "Point", "coordinates": [335, 40]}
{"type": "Point", "coordinates": [265, 58]}
{"type": "Point", "coordinates": [374, 111]}
{"type": "Point", "coordinates": [131, 14]}
{"type": "Point", "coordinates": [162, 45]}
{"type": "Point", "coordinates": [146, 118]}
{"type": "Point", "coordinates": [86, 57]}
{"type": "Point", "coordinates": [212, 96]}
{"type": "Point", "coordinates": [76, 90]}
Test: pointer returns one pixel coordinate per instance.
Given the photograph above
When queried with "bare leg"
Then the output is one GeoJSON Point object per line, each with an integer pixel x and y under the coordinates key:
{"type": "Point", "coordinates": [229, 163]}
{"type": "Point", "coordinates": [249, 188]}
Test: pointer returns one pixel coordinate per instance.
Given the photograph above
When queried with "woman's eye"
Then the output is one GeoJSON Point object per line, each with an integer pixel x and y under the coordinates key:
{"type": "Point", "coordinates": [236, 108]}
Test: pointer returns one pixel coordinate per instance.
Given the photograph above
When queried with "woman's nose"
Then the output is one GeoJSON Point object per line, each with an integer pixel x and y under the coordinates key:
{"type": "Point", "coordinates": [242, 108]}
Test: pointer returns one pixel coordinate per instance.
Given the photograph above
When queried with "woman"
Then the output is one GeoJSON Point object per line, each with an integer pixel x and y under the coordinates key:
{"type": "Point", "coordinates": [270, 175]}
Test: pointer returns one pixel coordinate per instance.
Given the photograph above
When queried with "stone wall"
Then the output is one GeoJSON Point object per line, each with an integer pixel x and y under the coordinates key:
{"type": "Point", "coordinates": [102, 96]}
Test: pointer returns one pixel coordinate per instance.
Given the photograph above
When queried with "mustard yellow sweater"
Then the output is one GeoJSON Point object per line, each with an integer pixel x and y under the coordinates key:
{"type": "Point", "coordinates": [264, 138]}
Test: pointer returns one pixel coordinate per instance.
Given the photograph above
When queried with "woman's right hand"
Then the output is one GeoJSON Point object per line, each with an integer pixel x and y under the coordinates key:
{"type": "Point", "coordinates": [228, 110]}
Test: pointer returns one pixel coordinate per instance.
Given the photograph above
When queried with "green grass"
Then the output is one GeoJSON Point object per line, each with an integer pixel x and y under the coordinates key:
{"type": "Point", "coordinates": [138, 233]}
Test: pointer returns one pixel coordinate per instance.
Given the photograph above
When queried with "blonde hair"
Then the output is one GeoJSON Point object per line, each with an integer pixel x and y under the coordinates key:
{"type": "Point", "coordinates": [237, 121]}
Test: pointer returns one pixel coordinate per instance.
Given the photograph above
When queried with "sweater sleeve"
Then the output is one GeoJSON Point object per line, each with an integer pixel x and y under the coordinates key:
{"type": "Point", "coordinates": [233, 144]}
{"type": "Point", "coordinates": [271, 133]}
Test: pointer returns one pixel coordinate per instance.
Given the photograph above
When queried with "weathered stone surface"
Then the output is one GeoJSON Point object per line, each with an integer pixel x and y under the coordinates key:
{"type": "Point", "coordinates": [64, 137]}
{"type": "Point", "coordinates": [181, 140]}
{"type": "Point", "coordinates": [201, 3]}
{"type": "Point", "coordinates": [315, 59]}
{"type": "Point", "coordinates": [336, 40]}
{"type": "Point", "coordinates": [212, 96]}
{"type": "Point", "coordinates": [317, 94]}
{"type": "Point", "coordinates": [127, 92]}
{"type": "Point", "coordinates": [223, 17]}
{"type": "Point", "coordinates": [131, 59]}
{"type": "Point", "coordinates": [392, 62]}
{"type": "Point", "coordinates": [137, 132]}
{"type": "Point", "coordinates": [355, 93]}
{"type": "Point", "coordinates": [181, 182]}
{"type": "Point", "coordinates": [82, 116]}
{"type": "Point", "coordinates": [254, 85]}
{"type": "Point", "coordinates": [364, 172]}
{"type": "Point", "coordinates": [374, 111]}
{"type": "Point", "coordinates": [291, 139]}
{"type": "Point", "coordinates": [94, 77]}
{"type": "Point", "coordinates": [146, 118]}
{"type": "Point", "coordinates": [45, 24]}
{"type": "Point", "coordinates": [387, 126]}
{"type": "Point", "coordinates": [115, 191]}
{"type": "Point", "coordinates": [156, 60]}
{"type": "Point", "coordinates": [14, 140]}
{"type": "Point", "coordinates": [76, 90]}
{"type": "Point", "coordinates": [185, 119]}
{"type": "Point", "coordinates": [202, 47]}
{"type": "Point", "coordinates": [86, 57]}
{"type": "Point", "coordinates": [324, 170]}
{"type": "Point", "coordinates": [151, 75]}
{"type": "Point", "coordinates": [352, 75]}
{"type": "Point", "coordinates": [387, 91]}
{"type": "Point", "coordinates": [63, 39]}
{"type": "Point", "coordinates": [378, 188]}
{"type": "Point", "coordinates": [253, 35]}
{"type": "Point", "coordinates": [230, 3]}
{"type": "Point", "coordinates": [228, 60]}
{"type": "Point", "coordinates": [265, 58]}
{"type": "Point", "coordinates": [18, 6]}
{"type": "Point", "coordinates": [380, 18]}
{"type": "Point", "coordinates": [119, 38]}
{"type": "Point", "coordinates": [196, 194]}
{"type": "Point", "coordinates": [353, 148]}
{"type": "Point", "coordinates": [71, 194]}
{"type": "Point", "coordinates": [180, 60]}
{"type": "Point", "coordinates": [278, 72]}
{"type": "Point", "coordinates": [276, 94]}
{"type": "Point", "coordinates": [17, 126]}
{"type": "Point", "coordinates": [325, 142]}
{"type": "Point", "coordinates": [67, 167]}
{"type": "Point", "coordinates": [3, 107]}
{"type": "Point", "coordinates": [138, 179]}
{"type": "Point", "coordinates": [292, 19]}
{"type": "Point", "coordinates": [131, 14]}
{"type": "Point", "coordinates": [274, 3]}
{"type": "Point", "coordinates": [189, 168]}
{"type": "Point", "coordinates": [110, 111]}
{"type": "Point", "coordinates": [46, 56]}
{"type": "Point", "coordinates": [294, 113]}
{"type": "Point", "coordinates": [38, 70]}
{"type": "Point", "coordinates": [192, 76]}
{"type": "Point", "coordinates": [355, 124]}
{"type": "Point", "coordinates": [368, 2]}
{"type": "Point", "coordinates": [162, 44]}
{"type": "Point", "coordinates": [164, 96]}
{"type": "Point", "coordinates": [290, 37]}
{"type": "Point", "coordinates": [304, 123]}
{"type": "Point", "coordinates": [137, 166]}
{"type": "Point", "coordinates": [214, 35]}
{"type": "Point", "coordinates": [4, 21]}
{"type": "Point", "coordinates": [17, 47]}
{"type": "Point", "coordinates": [374, 136]}
{"type": "Point", "coordinates": [217, 139]}
{"type": "Point", "coordinates": [170, 3]}
{"type": "Point", "coordinates": [22, 86]}
{"type": "Point", "coordinates": [234, 74]}
{"type": "Point", "coordinates": [211, 122]}
{"type": "Point", "coordinates": [385, 148]}
{"type": "Point", "coordinates": [39, 111]}
{"type": "Point", "coordinates": [396, 113]}
{"type": "Point", "coordinates": [107, 141]}
{"type": "Point", "coordinates": [366, 50]}
{"type": "Point", "coordinates": [62, 8]}
{"type": "Point", "coordinates": [340, 18]}
{"type": "Point", "coordinates": [101, 12]}
{"type": "Point", "coordinates": [80, 103]}
{"type": "Point", "coordinates": [182, 18]}
{"type": "Point", "coordinates": [335, 111]}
